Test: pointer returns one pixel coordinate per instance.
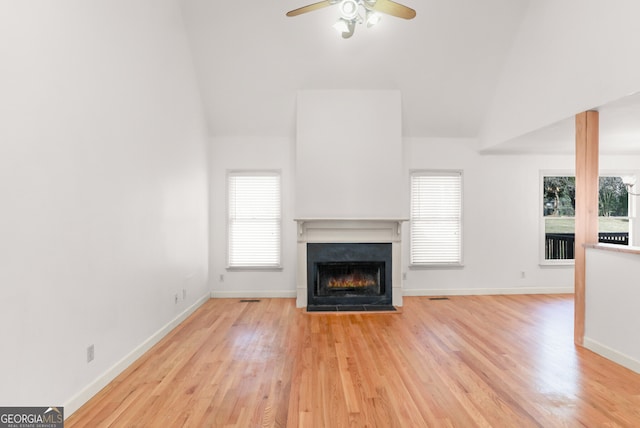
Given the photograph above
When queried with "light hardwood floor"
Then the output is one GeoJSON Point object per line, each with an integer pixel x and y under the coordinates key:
{"type": "Point", "coordinates": [486, 361]}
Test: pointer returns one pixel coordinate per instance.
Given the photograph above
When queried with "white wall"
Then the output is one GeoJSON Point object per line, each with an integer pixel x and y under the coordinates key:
{"type": "Point", "coordinates": [103, 177]}
{"type": "Point", "coordinates": [501, 235]}
{"type": "Point", "coordinates": [612, 296]}
{"type": "Point", "coordinates": [501, 222]}
{"type": "Point", "coordinates": [569, 56]}
{"type": "Point", "coordinates": [349, 155]}
{"type": "Point", "coordinates": [251, 153]}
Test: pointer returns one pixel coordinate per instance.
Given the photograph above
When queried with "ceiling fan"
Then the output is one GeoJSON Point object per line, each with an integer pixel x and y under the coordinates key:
{"type": "Point", "coordinates": [350, 12]}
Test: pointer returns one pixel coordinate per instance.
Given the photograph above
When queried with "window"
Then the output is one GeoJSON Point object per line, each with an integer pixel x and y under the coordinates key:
{"type": "Point", "coordinates": [436, 218]}
{"type": "Point", "coordinates": [558, 212]}
{"type": "Point", "coordinates": [254, 219]}
{"type": "Point", "coordinates": [558, 215]}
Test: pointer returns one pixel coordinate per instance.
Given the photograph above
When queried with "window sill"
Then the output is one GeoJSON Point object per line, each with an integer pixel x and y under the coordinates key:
{"type": "Point", "coordinates": [254, 268]}
{"type": "Point", "coordinates": [558, 263]}
{"type": "Point", "coordinates": [436, 266]}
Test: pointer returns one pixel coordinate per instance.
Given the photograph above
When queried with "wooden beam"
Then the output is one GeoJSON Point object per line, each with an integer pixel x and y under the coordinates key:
{"type": "Point", "coordinates": [587, 133]}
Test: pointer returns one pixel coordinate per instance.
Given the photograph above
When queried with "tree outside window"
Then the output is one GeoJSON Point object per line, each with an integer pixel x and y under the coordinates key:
{"type": "Point", "coordinates": [558, 207]}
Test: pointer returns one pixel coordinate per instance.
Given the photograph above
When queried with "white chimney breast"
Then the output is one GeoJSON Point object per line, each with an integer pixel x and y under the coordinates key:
{"type": "Point", "coordinates": [349, 155]}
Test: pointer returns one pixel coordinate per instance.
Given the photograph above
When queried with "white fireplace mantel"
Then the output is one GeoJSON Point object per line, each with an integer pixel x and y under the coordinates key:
{"type": "Point", "coordinates": [381, 230]}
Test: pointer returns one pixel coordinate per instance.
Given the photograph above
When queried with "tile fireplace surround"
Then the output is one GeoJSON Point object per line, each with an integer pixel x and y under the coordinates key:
{"type": "Point", "coordinates": [349, 231]}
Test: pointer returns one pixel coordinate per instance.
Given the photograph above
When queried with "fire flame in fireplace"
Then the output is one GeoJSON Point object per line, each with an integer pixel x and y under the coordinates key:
{"type": "Point", "coordinates": [351, 281]}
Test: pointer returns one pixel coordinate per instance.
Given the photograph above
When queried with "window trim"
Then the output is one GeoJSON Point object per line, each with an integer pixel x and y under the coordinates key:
{"type": "Point", "coordinates": [541, 218]}
{"type": "Point", "coordinates": [438, 265]}
{"type": "Point", "coordinates": [251, 172]}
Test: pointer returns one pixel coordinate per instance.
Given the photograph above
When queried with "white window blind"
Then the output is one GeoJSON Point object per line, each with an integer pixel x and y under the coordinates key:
{"type": "Point", "coordinates": [254, 221]}
{"type": "Point", "coordinates": [436, 218]}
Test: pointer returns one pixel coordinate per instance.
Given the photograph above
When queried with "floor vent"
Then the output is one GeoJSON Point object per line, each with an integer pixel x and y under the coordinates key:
{"type": "Point", "coordinates": [438, 298]}
{"type": "Point", "coordinates": [249, 300]}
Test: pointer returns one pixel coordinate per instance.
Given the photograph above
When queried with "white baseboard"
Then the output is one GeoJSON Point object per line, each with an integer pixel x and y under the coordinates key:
{"type": "Point", "coordinates": [613, 355]}
{"type": "Point", "coordinates": [292, 294]}
{"type": "Point", "coordinates": [94, 387]}
{"type": "Point", "coordinates": [486, 291]}
{"type": "Point", "coordinates": [251, 294]}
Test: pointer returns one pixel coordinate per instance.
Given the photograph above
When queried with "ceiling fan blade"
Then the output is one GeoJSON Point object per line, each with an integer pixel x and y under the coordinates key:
{"type": "Point", "coordinates": [392, 8]}
{"type": "Point", "coordinates": [309, 8]}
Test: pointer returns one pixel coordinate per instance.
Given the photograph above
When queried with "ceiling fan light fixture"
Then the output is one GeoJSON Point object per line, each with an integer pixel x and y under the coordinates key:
{"type": "Point", "coordinates": [354, 12]}
{"type": "Point", "coordinates": [372, 18]}
{"type": "Point", "coordinates": [349, 9]}
{"type": "Point", "coordinates": [341, 25]}
{"type": "Point", "coordinates": [351, 28]}
{"type": "Point", "coordinates": [344, 27]}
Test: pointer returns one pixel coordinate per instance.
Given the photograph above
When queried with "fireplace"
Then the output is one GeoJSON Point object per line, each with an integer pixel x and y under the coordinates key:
{"type": "Point", "coordinates": [348, 241]}
{"type": "Point", "coordinates": [349, 276]}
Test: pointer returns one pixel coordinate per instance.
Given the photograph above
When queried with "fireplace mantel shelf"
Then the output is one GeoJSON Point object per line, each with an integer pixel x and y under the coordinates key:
{"type": "Point", "coordinates": [325, 225]}
{"type": "Point", "coordinates": [350, 219]}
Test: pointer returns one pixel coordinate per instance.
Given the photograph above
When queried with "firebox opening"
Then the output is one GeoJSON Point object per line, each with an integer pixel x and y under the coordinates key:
{"type": "Point", "coordinates": [352, 278]}
{"type": "Point", "coordinates": [347, 274]}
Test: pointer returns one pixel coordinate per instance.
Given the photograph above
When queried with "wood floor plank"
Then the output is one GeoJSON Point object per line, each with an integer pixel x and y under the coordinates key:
{"type": "Point", "coordinates": [468, 361]}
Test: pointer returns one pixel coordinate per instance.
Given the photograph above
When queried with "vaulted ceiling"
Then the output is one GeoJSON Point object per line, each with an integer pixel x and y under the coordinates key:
{"type": "Point", "coordinates": [619, 132]}
{"type": "Point", "coordinates": [252, 59]}
{"type": "Point", "coordinates": [447, 63]}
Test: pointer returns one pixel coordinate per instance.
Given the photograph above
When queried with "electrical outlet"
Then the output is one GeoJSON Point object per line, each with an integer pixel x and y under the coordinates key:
{"type": "Point", "coordinates": [221, 278]}
{"type": "Point", "coordinates": [175, 298]}
{"type": "Point", "coordinates": [522, 275]}
{"type": "Point", "coordinates": [90, 353]}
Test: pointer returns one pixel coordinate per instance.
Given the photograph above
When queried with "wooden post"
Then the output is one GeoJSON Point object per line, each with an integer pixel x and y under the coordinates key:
{"type": "Point", "coordinates": [587, 132]}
